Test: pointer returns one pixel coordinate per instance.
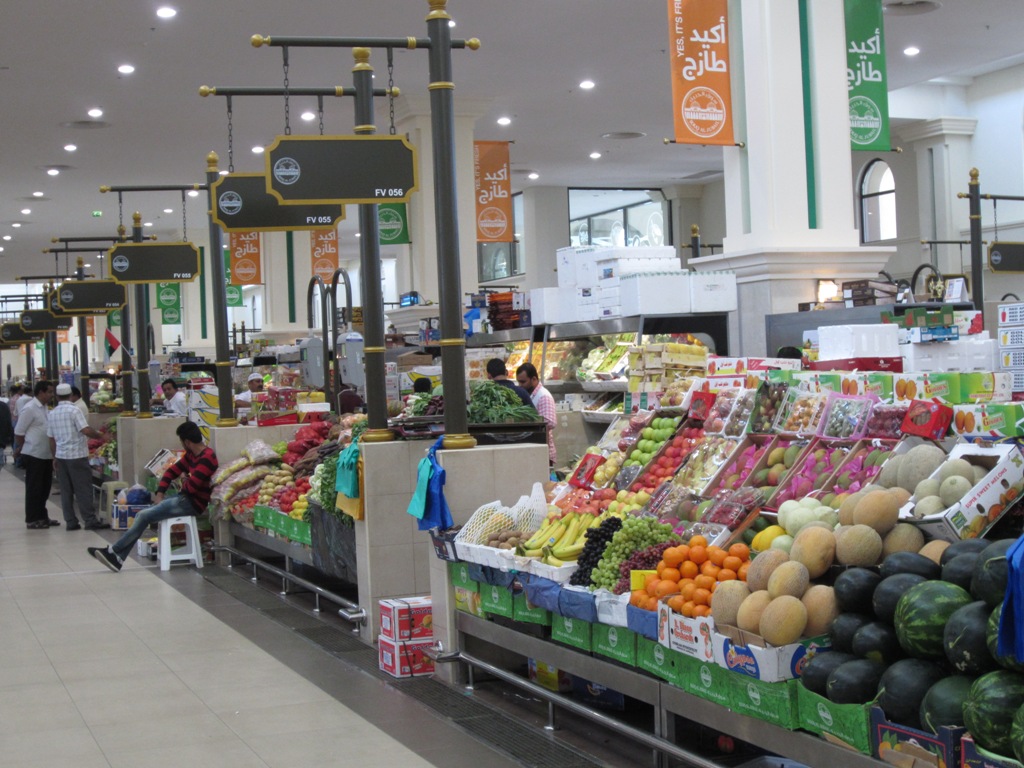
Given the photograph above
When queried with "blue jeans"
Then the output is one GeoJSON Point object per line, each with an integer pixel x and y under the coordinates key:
{"type": "Point", "coordinates": [173, 506]}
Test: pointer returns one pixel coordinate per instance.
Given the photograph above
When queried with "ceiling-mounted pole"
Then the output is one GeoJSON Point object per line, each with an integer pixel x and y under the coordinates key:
{"type": "Point", "coordinates": [977, 275]}
{"type": "Point", "coordinates": [127, 391]}
{"type": "Point", "coordinates": [83, 340]}
{"type": "Point", "coordinates": [142, 345]}
{"type": "Point", "coordinates": [326, 310]}
{"type": "Point", "coordinates": [225, 392]}
{"type": "Point", "coordinates": [342, 273]}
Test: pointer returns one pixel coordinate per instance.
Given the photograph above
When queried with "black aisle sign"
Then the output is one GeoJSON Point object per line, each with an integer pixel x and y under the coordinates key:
{"type": "Point", "coordinates": [154, 262]}
{"type": "Point", "coordinates": [90, 296]}
{"type": "Point", "coordinates": [244, 205]}
{"type": "Point", "coordinates": [341, 169]}
{"type": "Point", "coordinates": [12, 333]}
{"type": "Point", "coordinates": [40, 320]}
{"type": "Point", "coordinates": [1006, 257]}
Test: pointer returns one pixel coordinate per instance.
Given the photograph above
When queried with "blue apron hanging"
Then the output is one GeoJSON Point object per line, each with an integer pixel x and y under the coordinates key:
{"type": "Point", "coordinates": [429, 506]}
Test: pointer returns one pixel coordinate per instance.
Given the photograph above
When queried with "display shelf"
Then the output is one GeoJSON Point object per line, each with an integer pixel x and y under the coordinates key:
{"type": "Point", "coordinates": [533, 333]}
{"type": "Point", "coordinates": [601, 417]}
{"type": "Point", "coordinates": [714, 325]}
{"type": "Point", "coordinates": [667, 699]}
{"type": "Point", "coordinates": [561, 387]}
{"type": "Point", "coordinates": [612, 385]}
{"type": "Point", "coordinates": [296, 552]}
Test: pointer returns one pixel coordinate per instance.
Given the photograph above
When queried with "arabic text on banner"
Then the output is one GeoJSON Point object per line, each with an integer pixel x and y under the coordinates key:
{"type": "Point", "coordinates": [323, 251]}
{"type": "Point", "coordinates": [90, 326]}
{"type": "Point", "coordinates": [701, 92]}
{"type": "Point", "coordinates": [493, 183]}
{"type": "Point", "coordinates": [246, 253]}
{"type": "Point", "coordinates": [865, 75]}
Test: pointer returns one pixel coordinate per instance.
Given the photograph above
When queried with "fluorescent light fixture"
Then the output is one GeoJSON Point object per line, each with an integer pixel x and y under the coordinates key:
{"type": "Point", "coordinates": [595, 155]}
{"type": "Point", "coordinates": [95, 112]}
{"type": "Point", "coordinates": [504, 120]}
{"type": "Point", "coordinates": [53, 172]}
{"type": "Point", "coordinates": [16, 224]}
{"type": "Point", "coordinates": [307, 116]}
{"type": "Point", "coordinates": [37, 194]}
{"type": "Point", "coordinates": [257, 150]}
{"type": "Point", "coordinates": [126, 69]}
{"type": "Point", "coordinates": [223, 173]}
{"type": "Point", "coordinates": [193, 193]}
{"type": "Point", "coordinates": [168, 210]}
{"type": "Point", "coordinates": [148, 224]}
{"type": "Point", "coordinates": [586, 85]}
{"type": "Point", "coordinates": [70, 147]}
{"type": "Point", "coordinates": [166, 12]}
{"type": "Point", "coordinates": [7, 237]}
{"type": "Point", "coordinates": [533, 176]}
{"type": "Point", "coordinates": [87, 265]}
{"type": "Point", "coordinates": [912, 50]}
{"type": "Point", "coordinates": [26, 211]}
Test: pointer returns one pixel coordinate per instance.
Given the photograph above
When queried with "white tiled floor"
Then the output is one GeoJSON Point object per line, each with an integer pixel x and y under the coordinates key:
{"type": "Point", "coordinates": [103, 669]}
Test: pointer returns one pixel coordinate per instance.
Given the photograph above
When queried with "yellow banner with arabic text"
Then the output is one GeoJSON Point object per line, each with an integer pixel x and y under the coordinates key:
{"type": "Point", "coordinates": [323, 251]}
{"type": "Point", "coordinates": [701, 92]}
{"type": "Point", "coordinates": [246, 255]}
{"type": "Point", "coordinates": [493, 182]}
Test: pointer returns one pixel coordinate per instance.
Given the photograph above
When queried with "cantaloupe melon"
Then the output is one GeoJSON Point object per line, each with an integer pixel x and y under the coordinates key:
{"type": "Point", "coordinates": [783, 621]}
{"type": "Point", "coordinates": [953, 467]}
{"type": "Point", "coordinates": [859, 545]}
{"type": "Point", "coordinates": [847, 507]}
{"type": "Point", "coordinates": [726, 601]}
{"type": "Point", "coordinates": [933, 550]}
{"type": "Point", "coordinates": [815, 548]}
{"type": "Point", "coordinates": [954, 488]}
{"type": "Point", "coordinates": [903, 538]}
{"type": "Point", "coordinates": [878, 510]}
{"type": "Point", "coordinates": [889, 475]}
{"type": "Point", "coordinates": [761, 568]}
{"type": "Point", "coordinates": [902, 495]}
{"type": "Point", "coordinates": [929, 505]}
{"type": "Point", "coordinates": [918, 463]}
{"type": "Point", "coordinates": [979, 472]}
{"type": "Point", "coordinates": [822, 609]}
{"type": "Point", "coordinates": [748, 617]}
{"type": "Point", "coordinates": [789, 578]}
{"type": "Point", "coordinates": [927, 487]}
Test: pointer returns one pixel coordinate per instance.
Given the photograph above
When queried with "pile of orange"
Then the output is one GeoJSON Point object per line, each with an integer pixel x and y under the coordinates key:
{"type": "Point", "coordinates": [687, 575]}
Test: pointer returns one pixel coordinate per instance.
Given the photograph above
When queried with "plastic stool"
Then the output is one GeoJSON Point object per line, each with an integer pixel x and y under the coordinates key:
{"type": "Point", "coordinates": [190, 552]}
{"type": "Point", "coordinates": [108, 495]}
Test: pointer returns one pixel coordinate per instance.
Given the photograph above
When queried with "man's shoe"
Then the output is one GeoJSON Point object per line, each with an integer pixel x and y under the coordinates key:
{"type": "Point", "coordinates": [105, 556]}
{"type": "Point", "coordinates": [51, 522]}
{"type": "Point", "coordinates": [38, 525]}
{"type": "Point", "coordinates": [72, 527]}
{"type": "Point", "coordinates": [97, 526]}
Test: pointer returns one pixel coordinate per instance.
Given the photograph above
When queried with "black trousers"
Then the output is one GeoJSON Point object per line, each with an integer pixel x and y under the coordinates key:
{"type": "Point", "coordinates": [38, 484]}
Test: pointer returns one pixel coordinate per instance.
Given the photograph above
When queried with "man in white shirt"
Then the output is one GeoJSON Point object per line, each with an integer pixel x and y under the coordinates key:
{"type": "Point", "coordinates": [78, 401]}
{"type": "Point", "coordinates": [32, 448]}
{"type": "Point", "coordinates": [67, 431]}
{"type": "Point", "coordinates": [174, 399]}
{"type": "Point", "coordinates": [255, 385]}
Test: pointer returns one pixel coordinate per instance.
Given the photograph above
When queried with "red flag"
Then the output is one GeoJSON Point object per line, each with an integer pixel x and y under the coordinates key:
{"type": "Point", "coordinates": [112, 343]}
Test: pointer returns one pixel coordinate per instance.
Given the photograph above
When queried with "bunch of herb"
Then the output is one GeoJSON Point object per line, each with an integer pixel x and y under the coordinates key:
{"type": "Point", "coordinates": [491, 403]}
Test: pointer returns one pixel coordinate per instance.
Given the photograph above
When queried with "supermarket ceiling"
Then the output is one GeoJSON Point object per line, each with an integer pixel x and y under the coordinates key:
{"type": "Point", "coordinates": [59, 59]}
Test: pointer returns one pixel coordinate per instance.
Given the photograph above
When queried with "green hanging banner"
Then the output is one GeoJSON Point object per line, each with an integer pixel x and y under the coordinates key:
{"type": "Point", "coordinates": [233, 292]}
{"type": "Point", "coordinates": [114, 318]}
{"type": "Point", "coordinates": [865, 76]}
{"type": "Point", "coordinates": [393, 224]}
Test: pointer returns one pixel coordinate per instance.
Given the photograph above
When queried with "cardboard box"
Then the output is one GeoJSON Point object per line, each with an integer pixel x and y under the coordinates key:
{"type": "Point", "coordinates": [738, 365]}
{"type": "Point", "coordinates": [572, 632]}
{"type": "Point", "coordinates": [985, 503]}
{"type": "Point", "coordinates": [1011, 314]}
{"type": "Point", "coordinates": [875, 383]}
{"type": "Point", "coordinates": [941, 749]}
{"type": "Point", "coordinates": [597, 695]}
{"type": "Point", "coordinates": [615, 643]}
{"type": "Point", "coordinates": [986, 387]}
{"type": "Point", "coordinates": [468, 601]}
{"type": "Point", "coordinates": [548, 677]}
{"type": "Point", "coordinates": [523, 611]}
{"type": "Point", "coordinates": [927, 419]}
{"type": "Point", "coordinates": [496, 600]}
{"type": "Point", "coordinates": [689, 636]}
{"type": "Point", "coordinates": [883, 364]}
{"type": "Point", "coordinates": [940, 387]}
{"type": "Point", "coordinates": [410, 360]}
{"type": "Point", "coordinates": [404, 659]}
{"type": "Point", "coordinates": [707, 680]}
{"type": "Point", "coordinates": [850, 723]}
{"type": "Point", "coordinates": [748, 654]}
{"type": "Point", "coordinates": [162, 461]}
{"type": "Point", "coordinates": [407, 618]}
{"type": "Point", "coordinates": [929, 335]}
{"type": "Point", "coordinates": [662, 662]}
{"type": "Point", "coordinates": [775, 703]}
{"type": "Point", "coordinates": [973, 756]}
{"type": "Point", "coordinates": [989, 420]}
{"type": "Point", "coordinates": [459, 575]}
{"type": "Point", "coordinates": [814, 381]}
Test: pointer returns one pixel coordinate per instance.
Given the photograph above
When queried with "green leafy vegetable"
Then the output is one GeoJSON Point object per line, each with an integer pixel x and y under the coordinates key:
{"type": "Point", "coordinates": [491, 403]}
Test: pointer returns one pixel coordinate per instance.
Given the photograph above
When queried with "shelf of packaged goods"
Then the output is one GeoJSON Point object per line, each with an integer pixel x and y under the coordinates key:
{"type": "Point", "coordinates": [667, 699]}
{"type": "Point", "coordinates": [296, 552]}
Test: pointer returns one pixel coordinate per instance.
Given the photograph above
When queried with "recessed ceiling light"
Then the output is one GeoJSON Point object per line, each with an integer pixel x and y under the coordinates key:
{"type": "Point", "coordinates": [1, 249]}
{"type": "Point", "coordinates": [451, 22]}
{"type": "Point", "coordinates": [7, 237]}
{"type": "Point", "coordinates": [168, 210]}
{"type": "Point", "coordinates": [148, 224]}
{"type": "Point", "coordinates": [623, 135]}
{"type": "Point", "coordinates": [193, 193]}
{"type": "Point", "coordinates": [586, 85]}
{"type": "Point", "coordinates": [533, 176]}
{"type": "Point", "coordinates": [126, 69]}
{"type": "Point", "coordinates": [87, 265]}
{"type": "Point", "coordinates": [166, 12]}
{"type": "Point", "coordinates": [359, 234]}
{"type": "Point", "coordinates": [37, 194]}
{"type": "Point", "coordinates": [95, 112]}
{"type": "Point", "coordinates": [912, 50]}
{"type": "Point", "coordinates": [26, 211]}
{"type": "Point", "coordinates": [70, 147]}
{"type": "Point", "coordinates": [307, 116]}
{"type": "Point", "coordinates": [595, 155]}
{"type": "Point", "coordinates": [53, 172]}
{"type": "Point", "coordinates": [16, 224]}
{"type": "Point", "coordinates": [224, 173]}
{"type": "Point", "coordinates": [504, 120]}
{"type": "Point", "coordinates": [257, 150]}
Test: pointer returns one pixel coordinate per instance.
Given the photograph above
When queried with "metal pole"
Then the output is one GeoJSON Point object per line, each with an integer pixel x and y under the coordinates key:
{"type": "Point", "coordinates": [343, 274]}
{"type": "Point", "coordinates": [694, 242]}
{"type": "Point", "coordinates": [369, 255]}
{"type": "Point", "coordinates": [83, 339]}
{"type": "Point", "coordinates": [142, 345]}
{"type": "Point", "coordinates": [442, 120]}
{"type": "Point", "coordinates": [127, 393]}
{"type": "Point", "coordinates": [30, 372]}
{"type": "Point", "coordinates": [225, 393]}
{"type": "Point", "coordinates": [977, 276]}
{"type": "Point", "coordinates": [325, 319]}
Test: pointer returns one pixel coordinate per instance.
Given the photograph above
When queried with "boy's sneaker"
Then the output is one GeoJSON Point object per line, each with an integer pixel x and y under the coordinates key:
{"type": "Point", "coordinates": [105, 556]}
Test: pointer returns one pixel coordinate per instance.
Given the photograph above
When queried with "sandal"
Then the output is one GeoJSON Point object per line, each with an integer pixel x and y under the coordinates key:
{"type": "Point", "coordinates": [38, 525]}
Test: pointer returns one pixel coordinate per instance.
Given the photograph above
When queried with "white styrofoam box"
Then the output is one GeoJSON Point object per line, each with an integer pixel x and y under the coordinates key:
{"type": "Point", "coordinates": [609, 295]}
{"type": "Point", "coordinates": [608, 282]}
{"type": "Point", "coordinates": [520, 300]}
{"type": "Point", "coordinates": [655, 293]}
{"type": "Point", "coordinates": [567, 312]}
{"type": "Point", "coordinates": [611, 310]}
{"type": "Point", "coordinates": [1011, 314]}
{"type": "Point", "coordinates": [647, 252]}
{"type": "Point", "coordinates": [968, 354]}
{"type": "Point", "coordinates": [573, 262]}
{"type": "Point", "coordinates": [839, 342]}
{"type": "Point", "coordinates": [544, 306]}
{"type": "Point", "coordinates": [713, 292]}
{"type": "Point", "coordinates": [586, 296]}
{"type": "Point", "coordinates": [587, 312]}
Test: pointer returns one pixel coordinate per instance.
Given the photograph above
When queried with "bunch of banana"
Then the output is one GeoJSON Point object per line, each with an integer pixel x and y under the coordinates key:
{"type": "Point", "coordinates": [561, 541]}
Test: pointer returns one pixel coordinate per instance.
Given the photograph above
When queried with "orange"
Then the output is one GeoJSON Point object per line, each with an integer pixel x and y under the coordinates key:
{"type": "Point", "coordinates": [666, 588]}
{"type": "Point", "coordinates": [671, 574]}
{"type": "Point", "coordinates": [717, 555]}
{"type": "Point", "coordinates": [698, 541]}
{"type": "Point", "coordinates": [704, 582]}
{"type": "Point", "coordinates": [701, 610]}
{"type": "Point", "coordinates": [676, 603]}
{"type": "Point", "coordinates": [740, 550]}
{"type": "Point", "coordinates": [636, 596]}
{"type": "Point", "coordinates": [672, 557]}
{"type": "Point", "coordinates": [732, 562]}
{"type": "Point", "coordinates": [710, 569]}
{"type": "Point", "coordinates": [742, 572]}
{"type": "Point", "coordinates": [726, 575]}
{"type": "Point", "coordinates": [648, 578]}
{"type": "Point", "coordinates": [684, 552]}
{"type": "Point", "coordinates": [652, 604]}
{"type": "Point", "coordinates": [660, 567]}
{"type": "Point", "coordinates": [702, 597]}
{"type": "Point", "coordinates": [688, 607]}
{"type": "Point", "coordinates": [687, 588]}
{"type": "Point", "coordinates": [698, 554]}
{"type": "Point", "coordinates": [688, 569]}
{"type": "Point", "coordinates": [652, 587]}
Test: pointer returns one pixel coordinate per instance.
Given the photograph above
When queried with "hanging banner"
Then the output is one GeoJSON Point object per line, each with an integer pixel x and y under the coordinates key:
{"type": "Point", "coordinates": [232, 292]}
{"type": "Point", "coordinates": [323, 251]}
{"type": "Point", "coordinates": [90, 326]}
{"type": "Point", "coordinates": [493, 184]}
{"type": "Point", "coordinates": [701, 91]}
{"type": "Point", "coordinates": [865, 76]}
{"type": "Point", "coordinates": [114, 319]}
{"type": "Point", "coordinates": [246, 256]}
{"type": "Point", "coordinates": [168, 296]}
{"type": "Point", "coordinates": [393, 224]}
{"type": "Point", "coordinates": [62, 337]}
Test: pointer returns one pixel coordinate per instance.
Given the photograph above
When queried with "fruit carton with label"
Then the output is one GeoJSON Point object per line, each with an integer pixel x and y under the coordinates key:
{"type": "Point", "coordinates": [775, 703]}
{"type": "Point", "coordinates": [468, 601]}
{"type": "Point", "coordinates": [548, 676]}
{"type": "Point", "coordinates": [850, 723]}
{"type": "Point", "coordinates": [707, 680]}
{"type": "Point", "coordinates": [400, 659]}
{"type": "Point", "coordinates": [496, 600]}
{"type": "Point", "coordinates": [523, 610]}
{"type": "Point", "coordinates": [662, 662]}
{"type": "Point", "coordinates": [939, 387]}
{"type": "Point", "coordinates": [573, 632]}
{"type": "Point", "coordinates": [748, 654]}
{"type": "Point", "coordinates": [914, 747]}
{"type": "Point", "coordinates": [407, 618]}
{"type": "Point", "coordinates": [927, 419]}
{"type": "Point", "coordinates": [986, 387]}
{"type": "Point", "coordinates": [689, 636]}
{"type": "Point", "coordinates": [816, 381]}
{"type": "Point", "coordinates": [876, 383]}
{"type": "Point", "coordinates": [616, 643]}
{"type": "Point", "coordinates": [989, 420]}
{"type": "Point", "coordinates": [973, 756]}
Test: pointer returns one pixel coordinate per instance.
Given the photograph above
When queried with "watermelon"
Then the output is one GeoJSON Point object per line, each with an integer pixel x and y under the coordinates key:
{"type": "Point", "coordinates": [962, 547]}
{"type": "Point", "coordinates": [944, 703]}
{"type": "Point", "coordinates": [909, 562]}
{"type": "Point", "coordinates": [853, 589]}
{"type": "Point", "coordinates": [1017, 734]}
{"type": "Point", "coordinates": [921, 616]}
{"type": "Point", "coordinates": [877, 641]}
{"type": "Point", "coordinates": [960, 570]}
{"type": "Point", "coordinates": [965, 638]}
{"type": "Point", "coordinates": [990, 708]}
{"type": "Point", "coordinates": [989, 580]}
{"type": "Point", "coordinates": [992, 641]}
{"type": "Point", "coordinates": [902, 688]}
{"type": "Point", "coordinates": [814, 676]}
{"type": "Point", "coordinates": [889, 592]}
{"type": "Point", "coordinates": [855, 682]}
{"type": "Point", "coordinates": [844, 627]}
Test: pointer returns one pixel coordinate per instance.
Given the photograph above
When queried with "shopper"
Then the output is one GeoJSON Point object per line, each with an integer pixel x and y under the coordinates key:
{"type": "Point", "coordinates": [32, 449]}
{"type": "Point", "coordinates": [198, 466]}
{"type": "Point", "coordinates": [67, 430]}
{"type": "Point", "coordinates": [498, 373]}
{"type": "Point", "coordinates": [174, 399]}
{"type": "Point", "coordinates": [422, 386]}
{"type": "Point", "coordinates": [526, 375]}
{"type": "Point", "coordinates": [254, 385]}
{"type": "Point", "coordinates": [79, 402]}
{"type": "Point", "coordinates": [6, 431]}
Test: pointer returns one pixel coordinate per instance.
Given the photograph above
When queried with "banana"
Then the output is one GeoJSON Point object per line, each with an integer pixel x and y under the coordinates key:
{"type": "Point", "coordinates": [569, 537]}
{"type": "Point", "coordinates": [523, 552]}
{"type": "Point", "coordinates": [556, 534]}
{"type": "Point", "coordinates": [535, 541]}
{"type": "Point", "coordinates": [568, 553]}
{"type": "Point", "coordinates": [550, 559]}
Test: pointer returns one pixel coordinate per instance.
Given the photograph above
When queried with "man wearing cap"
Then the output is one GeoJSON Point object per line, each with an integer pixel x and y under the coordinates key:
{"type": "Point", "coordinates": [255, 384]}
{"type": "Point", "coordinates": [174, 399]}
{"type": "Point", "coordinates": [68, 429]}
{"type": "Point", "coordinates": [32, 451]}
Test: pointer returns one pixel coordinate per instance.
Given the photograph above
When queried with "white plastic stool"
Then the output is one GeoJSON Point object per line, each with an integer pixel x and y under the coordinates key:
{"type": "Point", "coordinates": [190, 552]}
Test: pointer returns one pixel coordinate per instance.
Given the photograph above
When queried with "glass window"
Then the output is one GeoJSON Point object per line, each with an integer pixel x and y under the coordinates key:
{"type": "Point", "coordinates": [618, 217]}
{"type": "Point", "coordinates": [877, 203]}
{"type": "Point", "coordinates": [501, 261]}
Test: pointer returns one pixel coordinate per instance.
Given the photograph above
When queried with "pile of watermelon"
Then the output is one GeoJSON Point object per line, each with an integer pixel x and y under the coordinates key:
{"type": "Point", "coordinates": [918, 638]}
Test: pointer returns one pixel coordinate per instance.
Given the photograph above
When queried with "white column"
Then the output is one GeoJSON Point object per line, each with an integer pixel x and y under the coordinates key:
{"type": "Point", "coordinates": [545, 230]}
